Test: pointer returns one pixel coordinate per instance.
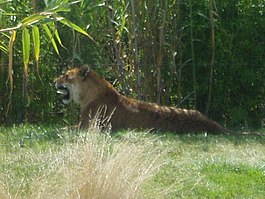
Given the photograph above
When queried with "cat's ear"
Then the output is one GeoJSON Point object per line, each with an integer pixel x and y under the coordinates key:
{"type": "Point", "coordinates": [84, 71]}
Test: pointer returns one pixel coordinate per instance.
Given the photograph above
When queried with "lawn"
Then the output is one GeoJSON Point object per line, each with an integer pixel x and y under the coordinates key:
{"type": "Point", "coordinates": [48, 162]}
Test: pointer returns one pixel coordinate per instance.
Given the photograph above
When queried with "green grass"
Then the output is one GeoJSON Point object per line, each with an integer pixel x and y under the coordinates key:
{"type": "Point", "coordinates": [46, 161]}
{"type": "Point", "coordinates": [213, 167]}
{"type": "Point", "coordinates": [233, 181]}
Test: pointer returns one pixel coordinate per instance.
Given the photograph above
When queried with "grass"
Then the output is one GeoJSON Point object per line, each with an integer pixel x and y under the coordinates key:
{"type": "Point", "coordinates": [204, 167]}
{"type": "Point", "coordinates": [45, 162]}
{"type": "Point", "coordinates": [233, 181]}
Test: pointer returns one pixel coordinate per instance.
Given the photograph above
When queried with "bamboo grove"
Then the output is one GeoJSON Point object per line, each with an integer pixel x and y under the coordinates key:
{"type": "Point", "coordinates": [207, 54]}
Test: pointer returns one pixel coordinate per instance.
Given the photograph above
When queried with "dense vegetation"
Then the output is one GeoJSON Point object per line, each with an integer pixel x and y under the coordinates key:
{"type": "Point", "coordinates": [207, 54]}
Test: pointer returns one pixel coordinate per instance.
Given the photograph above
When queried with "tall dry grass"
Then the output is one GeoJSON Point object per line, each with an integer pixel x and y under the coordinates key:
{"type": "Point", "coordinates": [94, 165]}
{"type": "Point", "coordinates": [3, 193]}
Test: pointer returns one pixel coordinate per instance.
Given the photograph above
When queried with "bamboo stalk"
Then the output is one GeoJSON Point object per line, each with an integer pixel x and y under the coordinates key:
{"type": "Point", "coordinates": [34, 5]}
{"type": "Point", "coordinates": [2, 84]}
{"type": "Point", "coordinates": [193, 55]}
{"type": "Point", "coordinates": [161, 53]}
{"type": "Point", "coordinates": [177, 56]}
{"type": "Point", "coordinates": [10, 69]}
{"type": "Point", "coordinates": [136, 54]}
{"type": "Point", "coordinates": [211, 11]}
{"type": "Point", "coordinates": [120, 63]}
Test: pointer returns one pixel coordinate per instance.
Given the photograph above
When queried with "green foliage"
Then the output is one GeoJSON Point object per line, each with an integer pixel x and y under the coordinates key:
{"type": "Point", "coordinates": [173, 52]}
{"type": "Point", "coordinates": [27, 22]}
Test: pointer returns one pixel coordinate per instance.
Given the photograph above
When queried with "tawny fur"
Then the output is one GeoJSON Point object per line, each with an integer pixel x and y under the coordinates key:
{"type": "Point", "coordinates": [95, 92]}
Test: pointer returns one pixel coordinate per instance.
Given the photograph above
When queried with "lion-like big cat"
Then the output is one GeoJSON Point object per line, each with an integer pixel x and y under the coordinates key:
{"type": "Point", "coordinates": [91, 91]}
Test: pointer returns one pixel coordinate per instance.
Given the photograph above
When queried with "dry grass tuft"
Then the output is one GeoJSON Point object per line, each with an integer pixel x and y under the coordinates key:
{"type": "Point", "coordinates": [3, 194]}
{"type": "Point", "coordinates": [94, 165]}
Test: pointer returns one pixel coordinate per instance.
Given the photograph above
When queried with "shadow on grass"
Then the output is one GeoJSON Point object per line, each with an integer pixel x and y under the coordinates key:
{"type": "Point", "coordinates": [236, 138]}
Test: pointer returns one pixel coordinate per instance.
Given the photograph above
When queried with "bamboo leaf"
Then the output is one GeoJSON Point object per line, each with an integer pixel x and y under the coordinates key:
{"type": "Point", "coordinates": [58, 37]}
{"type": "Point", "coordinates": [60, 9]}
{"type": "Point", "coordinates": [26, 47]}
{"type": "Point", "coordinates": [56, 33]}
{"type": "Point", "coordinates": [36, 45]}
{"type": "Point", "coordinates": [32, 19]}
{"type": "Point", "coordinates": [36, 42]}
{"type": "Point", "coordinates": [10, 67]}
{"type": "Point", "coordinates": [58, 6]}
{"type": "Point", "coordinates": [75, 27]}
{"type": "Point", "coordinates": [26, 53]}
{"type": "Point", "coordinates": [46, 2]}
{"type": "Point", "coordinates": [10, 50]}
{"type": "Point", "coordinates": [3, 47]}
{"type": "Point", "coordinates": [48, 32]}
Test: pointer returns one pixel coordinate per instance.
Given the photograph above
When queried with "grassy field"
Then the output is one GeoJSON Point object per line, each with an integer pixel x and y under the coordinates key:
{"type": "Point", "coordinates": [46, 162]}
